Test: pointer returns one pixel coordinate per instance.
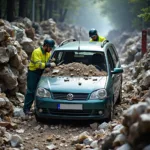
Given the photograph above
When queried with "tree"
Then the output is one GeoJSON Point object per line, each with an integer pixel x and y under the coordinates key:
{"type": "Point", "coordinates": [23, 8]}
{"type": "Point", "coordinates": [46, 10]}
{"type": "Point", "coordinates": [41, 9]}
{"type": "Point", "coordinates": [145, 15]}
{"type": "Point", "coordinates": [141, 13]}
{"type": "Point", "coordinates": [10, 10]}
{"type": "Point", "coordinates": [0, 9]}
{"type": "Point", "coordinates": [118, 12]}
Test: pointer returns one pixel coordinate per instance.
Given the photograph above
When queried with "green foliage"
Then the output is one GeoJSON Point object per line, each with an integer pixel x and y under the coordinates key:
{"type": "Point", "coordinates": [125, 14]}
{"type": "Point", "coordinates": [145, 15]}
{"type": "Point", "coordinates": [137, 5]}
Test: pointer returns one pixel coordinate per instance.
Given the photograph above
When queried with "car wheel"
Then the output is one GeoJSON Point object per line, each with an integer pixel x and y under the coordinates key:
{"type": "Point", "coordinates": [38, 119]}
{"type": "Point", "coordinates": [111, 114]}
{"type": "Point", "coordinates": [120, 96]}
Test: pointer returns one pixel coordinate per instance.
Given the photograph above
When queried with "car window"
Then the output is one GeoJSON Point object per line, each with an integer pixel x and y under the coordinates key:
{"type": "Point", "coordinates": [85, 57]}
{"type": "Point", "coordinates": [58, 57]}
{"type": "Point", "coordinates": [114, 55]}
{"type": "Point", "coordinates": [110, 60]}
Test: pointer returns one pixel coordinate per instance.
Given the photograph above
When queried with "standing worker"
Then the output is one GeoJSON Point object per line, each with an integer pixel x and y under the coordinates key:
{"type": "Point", "coordinates": [38, 62]}
{"type": "Point", "coordinates": [95, 37]}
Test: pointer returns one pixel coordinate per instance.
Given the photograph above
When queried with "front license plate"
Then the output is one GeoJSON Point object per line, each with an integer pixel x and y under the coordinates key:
{"type": "Point", "coordinates": [70, 106]}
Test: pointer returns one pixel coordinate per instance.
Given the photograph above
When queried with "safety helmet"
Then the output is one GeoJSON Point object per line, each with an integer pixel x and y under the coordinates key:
{"type": "Point", "coordinates": [92, 32]}
{"type": "Point", "coordinates": [50, 42]}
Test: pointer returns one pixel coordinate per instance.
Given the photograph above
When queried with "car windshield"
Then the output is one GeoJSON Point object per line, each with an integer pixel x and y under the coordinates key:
{"type": "Point", "coordinates": [94, 58]}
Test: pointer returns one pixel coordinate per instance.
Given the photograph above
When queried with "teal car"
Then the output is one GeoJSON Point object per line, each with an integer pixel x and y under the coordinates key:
{"type": "Point", "coordinates": [74, 97]}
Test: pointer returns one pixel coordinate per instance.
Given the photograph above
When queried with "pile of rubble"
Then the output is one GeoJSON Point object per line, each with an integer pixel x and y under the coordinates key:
{"type": "Point", "coordinates": [62, 32]}
{"type": "Point", "coordinates": [17, 41]}
{"type": "Point", "coordinates": [6, 107]}
{"type": "Point", "coordinates": [7, 139]}
{"type": "Point", "coordinates": [75, 69]}
{"type": "Point", "coordinates": [13, 59]}
{"type": "Point", "coordinates": [134, 131]}
{"type": "Point", "coordinates": [132, 48]}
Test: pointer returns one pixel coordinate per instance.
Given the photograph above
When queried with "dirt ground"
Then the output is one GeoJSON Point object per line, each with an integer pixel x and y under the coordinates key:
{"type": "Point", "coordinates": [59, 133]}
{"type": "Point", "coordinates": [37, 136]}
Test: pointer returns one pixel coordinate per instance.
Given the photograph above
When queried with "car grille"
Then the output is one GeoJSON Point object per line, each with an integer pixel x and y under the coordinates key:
{"type": "Point", "coordinates": [76, 96]}
{"type": "Point", "coordinates": [70, 112]}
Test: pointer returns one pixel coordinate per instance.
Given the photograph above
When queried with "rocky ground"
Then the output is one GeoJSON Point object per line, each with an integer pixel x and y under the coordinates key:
{"type": "Point", "coordinates": [130, 128]}
{"type": "Point", "coordinates": [28, 134]}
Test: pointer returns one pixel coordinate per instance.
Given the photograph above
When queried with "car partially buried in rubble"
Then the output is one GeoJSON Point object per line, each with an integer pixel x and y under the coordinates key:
{"type": "Point", "coordinates": [85, 84]}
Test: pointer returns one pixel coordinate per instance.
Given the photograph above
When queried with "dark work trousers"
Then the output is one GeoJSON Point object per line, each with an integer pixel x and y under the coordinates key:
{"type": "Point", "coordinates": [33, 78]}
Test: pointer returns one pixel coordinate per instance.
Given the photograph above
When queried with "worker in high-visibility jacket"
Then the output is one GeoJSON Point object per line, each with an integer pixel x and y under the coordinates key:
{"type": "Point", "coordinates": [95, 37]}
{"type": "Point", "coordinates": [38, 62]}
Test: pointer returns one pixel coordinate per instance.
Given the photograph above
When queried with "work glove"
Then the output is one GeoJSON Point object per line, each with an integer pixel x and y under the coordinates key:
{"type": "Point", "coordinates": [52, 64]}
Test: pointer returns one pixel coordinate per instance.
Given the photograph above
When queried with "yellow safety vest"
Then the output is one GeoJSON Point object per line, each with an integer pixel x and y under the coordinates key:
{"type": "Point", "coordinates": [100, 39]}
{"type": "Point", "coordinates": [38, 59]}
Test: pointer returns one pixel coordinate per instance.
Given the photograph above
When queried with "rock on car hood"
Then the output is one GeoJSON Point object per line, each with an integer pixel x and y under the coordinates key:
{"type": "Point", "coordinates": [73, 84]}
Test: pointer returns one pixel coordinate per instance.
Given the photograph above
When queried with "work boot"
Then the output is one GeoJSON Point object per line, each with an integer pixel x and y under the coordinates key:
{"type": "Point", "coordinates": [28, 112]}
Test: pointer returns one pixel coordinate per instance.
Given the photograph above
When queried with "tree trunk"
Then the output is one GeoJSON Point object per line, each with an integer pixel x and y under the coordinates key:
{"type": "Point", "coordinates": [22, 8]}
{"type": "Point", "coordinates": [41, 10]}
{"type": "Point", "coordinates": [56, 10]}
{"type": "Point", "coordinates": [46, 10]}
{"type": "Point", "coordinates": [62, 15]}
{"type": "Point", "coordinates": [10, 10]}
{"type": "Point", "coordinates": [50, 9]}
{"type": "Point", "coordinates": [1, 8]}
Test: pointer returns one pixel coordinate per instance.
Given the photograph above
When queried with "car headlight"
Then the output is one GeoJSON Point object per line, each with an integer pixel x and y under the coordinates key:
{"type": "Point", "coordinates": [41, 92]}
{"type": "Point", "coordinates": [99, 94]}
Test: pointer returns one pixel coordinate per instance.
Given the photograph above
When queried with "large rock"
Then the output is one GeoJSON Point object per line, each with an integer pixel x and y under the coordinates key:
{"type": "Point", "coordinates": [4, 55]}
{"type": "Point", "coordinates": [15, 61]}
{"type": "Point", "coordinates": [27, 44]}
{"type": "Point", "coordinates": [19, 33]}
{"type": "Point", "coordinates": [146, 80]}
{"type": "Point", "coordinates": [9, 78]}
{"type": "Point", "coordinates": [12, 50]}
{"type": "Point", "coordinates": [6, 107]}
{"type": "Point", "coordinates": [3, 35]}
{"type": "Point", "coordinates": [133, 113]}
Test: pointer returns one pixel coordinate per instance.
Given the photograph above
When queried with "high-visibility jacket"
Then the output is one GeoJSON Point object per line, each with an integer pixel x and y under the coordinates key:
{"type": "Point", "coordinates": [100, 39]}
{"type": "Point", "coordinates": [39, 59]}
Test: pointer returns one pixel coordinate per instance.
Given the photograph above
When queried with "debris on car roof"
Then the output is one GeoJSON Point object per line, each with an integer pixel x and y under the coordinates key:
{"type": "Point", "coordinates": [74, 70]}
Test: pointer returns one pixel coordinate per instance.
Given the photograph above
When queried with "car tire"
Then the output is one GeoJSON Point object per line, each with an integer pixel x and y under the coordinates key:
{"type": "Point", "coordinates": [111, 114]}
{"type": "Point", "coordinates": [39, 119]}
{"type": "Point", "coordinates": [119, 97]}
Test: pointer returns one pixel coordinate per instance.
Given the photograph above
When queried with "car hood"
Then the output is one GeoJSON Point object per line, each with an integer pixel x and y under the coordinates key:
{"type": "Point", "coordinates": [73, 84]}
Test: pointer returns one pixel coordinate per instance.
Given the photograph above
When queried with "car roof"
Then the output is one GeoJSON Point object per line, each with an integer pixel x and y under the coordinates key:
{"type": "Point", "coordinates": [81, 45]}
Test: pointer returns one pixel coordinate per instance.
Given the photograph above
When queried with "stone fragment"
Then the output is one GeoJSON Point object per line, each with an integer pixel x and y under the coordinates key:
{"type": "Point", "coordinates": [94, 125]}
{"type": "Point", "coordinates": [104, 126]}
{"type": "Point", "coordinates": [132, 114]}
{"type": "Point", "coordinates": [16, 140]}
{"type": "Point", "coordinates": [51, 147]}
{"type": "Point", "coordinates": [119, 140]}
{"type": "Point", "coordinates": [124, 147]}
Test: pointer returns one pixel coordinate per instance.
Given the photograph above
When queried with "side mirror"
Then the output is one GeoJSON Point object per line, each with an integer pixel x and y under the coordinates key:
{"type": "Point", "coordinates": [117, 71]}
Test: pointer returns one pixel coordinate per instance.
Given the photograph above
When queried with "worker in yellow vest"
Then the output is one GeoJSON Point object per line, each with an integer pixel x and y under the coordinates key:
{"type": "Point", "coordinates": [95, 37]}
{"type": "Point", "coordinates": [38, 62]}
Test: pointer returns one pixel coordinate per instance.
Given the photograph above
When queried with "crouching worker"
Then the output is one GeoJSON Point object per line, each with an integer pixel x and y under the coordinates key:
{"type": "Point", "coordinates": [38, 62]}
